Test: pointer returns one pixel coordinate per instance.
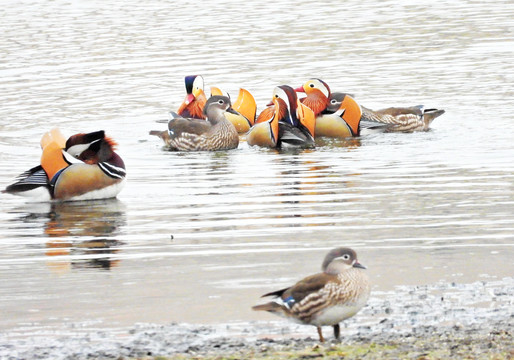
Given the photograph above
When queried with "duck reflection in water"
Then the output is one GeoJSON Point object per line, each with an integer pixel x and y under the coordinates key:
{"type": "Point", "coordinates": [80, 234]}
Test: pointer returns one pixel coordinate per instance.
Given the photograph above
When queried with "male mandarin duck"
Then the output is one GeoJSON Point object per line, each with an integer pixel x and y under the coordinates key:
{"type": "Point", "coordinates": [195, 100]}
{"type": "Point", "coordinates": [84, 167]}
{"type": "Point", "coordinates": [291, 124]}
{"type": "Point", "coordinates": [245, 107]}
{"type": "Point", "coordinates": [343, 122]}
{"type": "Point", "coordinates": [217, 133]}
{"type": "Point", "coordinates": [318, 93]}
{"type": "Point", "coordinates": [399, 119]}
{"type": "Point", "coordinates": [327, 298]}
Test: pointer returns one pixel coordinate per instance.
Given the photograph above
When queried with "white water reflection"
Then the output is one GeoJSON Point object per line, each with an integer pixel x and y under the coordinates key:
{"type": "Point", "coordinates": [199, 237]}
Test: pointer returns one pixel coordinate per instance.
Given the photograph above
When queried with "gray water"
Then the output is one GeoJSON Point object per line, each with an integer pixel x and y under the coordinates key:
{"type": "Point", "coordinates": [198, 237]}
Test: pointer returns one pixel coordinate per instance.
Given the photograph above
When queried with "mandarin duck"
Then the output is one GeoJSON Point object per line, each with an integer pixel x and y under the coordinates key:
{"type": "Point", "coordinates": [291, 124]}
{"type": "Point", "coordinates": [217, 133]}
{"type": "Point", "coordinates": [327, 298]}
{"type": "Point", "coordinates": [193, 104]}
{"type": "Point", "coordinates": [398, 119]}
{"type": "Point", "coordinates": [245, 107]}
{"type": "Point", "coordinates": [84, 167]}
{"type": "Point", "coordinates": [344, 122]}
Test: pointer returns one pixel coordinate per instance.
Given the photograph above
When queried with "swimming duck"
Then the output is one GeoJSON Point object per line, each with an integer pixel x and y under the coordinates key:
{"type": "Point", "coordinates": [193, 104]}
{"type": "Point", "coordinates": [343, 121]}
{"type": "Point", "coordinates": [217, 133]}
{"type": "Point", "coordinates": [318, 93]}
{"type": "Point", "coordinates": [327, 298]}
{"type": "Point", "coordinates": [398, 119]}
{"type": "Point", "coordinates": [84, 167]}
{"type": "Point", "coordinates": [291, 124]}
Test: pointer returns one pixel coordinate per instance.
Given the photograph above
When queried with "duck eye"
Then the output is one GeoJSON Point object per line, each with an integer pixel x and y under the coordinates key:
{"type": "Point", "coordinates": [221, 102]}
{"type": "Point", "coordinates": [276, 95]}
{"type": "Point", "coordinates": [333, 101]}
{"type": "Point", "coordinates": [311, 85]}
{"type": "Point", "coordinates": [346, 257]}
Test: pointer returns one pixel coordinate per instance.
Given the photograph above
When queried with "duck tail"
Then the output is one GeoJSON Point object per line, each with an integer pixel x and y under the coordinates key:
{"type": "Point", "coordinates": [271, 306]}
{"type": "Point", "coordinates": [156, 133]}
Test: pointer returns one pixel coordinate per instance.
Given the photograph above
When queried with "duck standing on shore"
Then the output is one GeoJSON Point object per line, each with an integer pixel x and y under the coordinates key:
{"type": "Point", "coordinates": [327, 298]}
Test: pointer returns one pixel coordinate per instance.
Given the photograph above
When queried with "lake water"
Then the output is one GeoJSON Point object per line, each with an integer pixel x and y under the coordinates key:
{"type": "Point", "coordinates": [198, 237]}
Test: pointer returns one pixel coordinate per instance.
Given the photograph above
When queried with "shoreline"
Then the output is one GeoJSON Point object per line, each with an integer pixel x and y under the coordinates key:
{"type": "Point", "coordinates": [437, 321]}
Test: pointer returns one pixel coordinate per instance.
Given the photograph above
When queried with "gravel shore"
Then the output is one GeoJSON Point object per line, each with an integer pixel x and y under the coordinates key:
{"type": "Point", "coordinates": [438, 321]}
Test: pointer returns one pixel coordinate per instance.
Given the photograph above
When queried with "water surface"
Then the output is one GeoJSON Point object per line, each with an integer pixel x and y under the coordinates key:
{"type": "Point", "coordinates": [199, 237]}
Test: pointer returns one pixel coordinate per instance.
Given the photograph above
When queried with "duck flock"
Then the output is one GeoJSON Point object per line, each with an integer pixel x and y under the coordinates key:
{"type": "Point", "coordinates": [86, 167]}
{"type": "Point", "coordinates": [287, 121]}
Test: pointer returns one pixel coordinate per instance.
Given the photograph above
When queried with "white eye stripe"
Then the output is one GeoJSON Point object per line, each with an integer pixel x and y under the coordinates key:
{"type": "Point", "coordinates": [78, 149]}
{"type": "Point", "coordinates": [320, 86]}
{"type": "Point", "coordinates": [281, 94]}
{"type": "Point", "coordinates": [198, 83]}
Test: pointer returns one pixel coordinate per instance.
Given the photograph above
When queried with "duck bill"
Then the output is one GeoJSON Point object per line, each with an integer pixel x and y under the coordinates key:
{"type": "Point", "coordinates": [352, 113]}
{"type": "Point", "coordinates": [245, 104]}
{"type": "Point", "coordinates": [300, 89]}
{"type": "Point", "coordinates": [306, 117]}
{"type": "Point", "coordinates": [358, 265]}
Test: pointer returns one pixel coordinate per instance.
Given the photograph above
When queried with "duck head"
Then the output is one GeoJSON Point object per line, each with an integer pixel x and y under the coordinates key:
{"type": "Point", "coordinates": [91, 148]}
{"type": "Point", "coordinates": [216, 107]}
{"type": "Point", "coordinates": [339, 260]}
{"type": "Point", "coordinates": [195, 99]}
{"type": "Point", "coordinates": [318, 93]}
{"type": "Point", "coordinates": [347, 108]}
{"type": "Point", "coordinates": [297, 114]}
{"type": "Point", "coordinates": [287, 97]}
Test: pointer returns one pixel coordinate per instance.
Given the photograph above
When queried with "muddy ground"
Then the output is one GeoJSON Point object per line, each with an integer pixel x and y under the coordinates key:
{"type": "Point", "coordinates": [438, 321]}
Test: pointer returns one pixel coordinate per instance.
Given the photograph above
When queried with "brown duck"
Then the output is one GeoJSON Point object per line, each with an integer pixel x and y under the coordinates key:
{"type": "Point", "coordinates": [327, 298]}
{"type": "Point", "coordinates": [399, 119]}
{"type": "Point", "coordinates": [215, 133]}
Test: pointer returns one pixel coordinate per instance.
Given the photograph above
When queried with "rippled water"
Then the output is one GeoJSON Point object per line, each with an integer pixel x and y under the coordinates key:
{"type": "Point", "coordinates": [198, 237]}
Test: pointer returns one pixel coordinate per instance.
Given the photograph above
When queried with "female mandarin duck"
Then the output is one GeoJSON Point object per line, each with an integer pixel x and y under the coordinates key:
{"type": "Point", "coordinates": [245, 107]}
{"type": "Point", "coordinates": [399, 119]}
{"type": "Point", "coordinates": [84, 167]}
{"type": "Point", "coordinates": [217, 133]}
{"type": "Point", "coordinates": [327, 298]}
{"type": "Point", "coordinates": [343, 122]}
{"type": "Point", "coordinates": [195, 100]}
{"type": "Point", "coordinates": [291, 124]}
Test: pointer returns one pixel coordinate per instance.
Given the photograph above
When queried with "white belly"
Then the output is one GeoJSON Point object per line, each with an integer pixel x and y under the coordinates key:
{"type": "Point", "coordinates": [335, 314]}
{"type": "Point", "coordinates": [105, 193]}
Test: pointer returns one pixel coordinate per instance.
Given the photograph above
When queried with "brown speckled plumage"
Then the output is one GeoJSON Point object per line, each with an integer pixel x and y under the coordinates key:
{"type": "Point", "coordinates": [217, 133]}
{"type": "Point", "coordinates": [327, 298]}
{"type": "Point", "coordinates": [400, 119]}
